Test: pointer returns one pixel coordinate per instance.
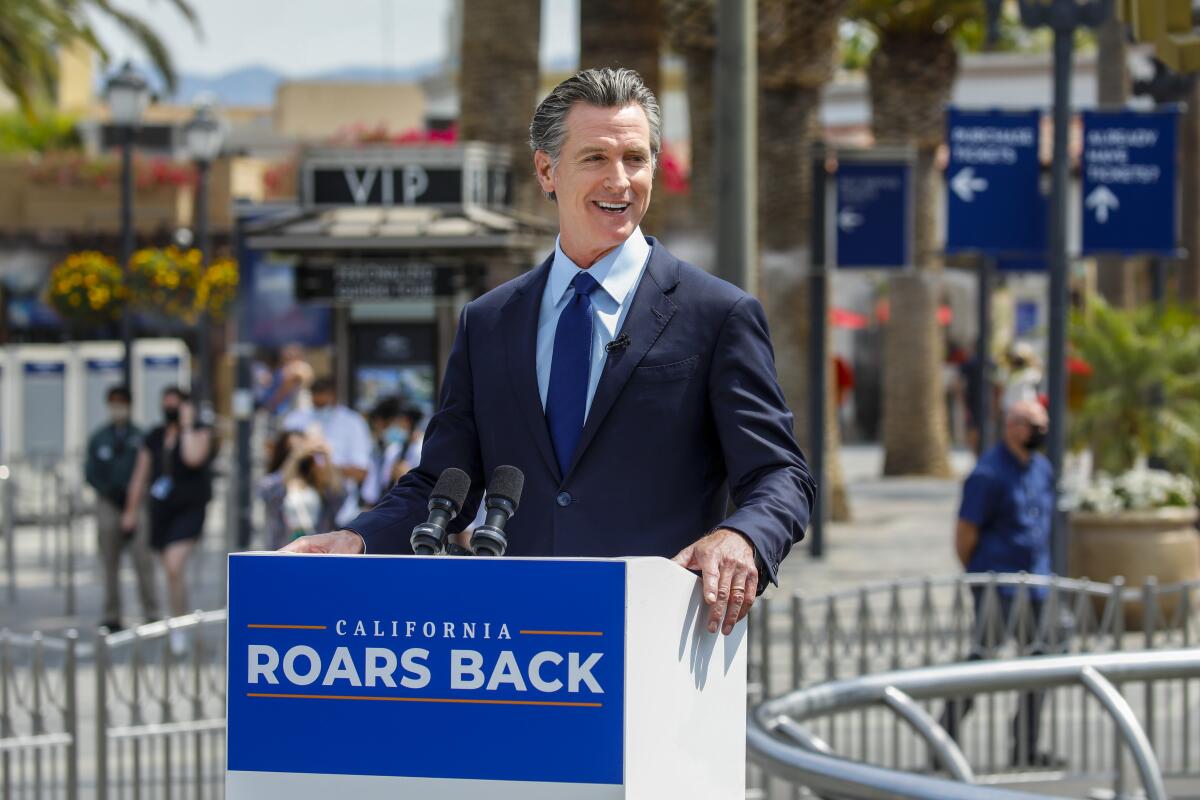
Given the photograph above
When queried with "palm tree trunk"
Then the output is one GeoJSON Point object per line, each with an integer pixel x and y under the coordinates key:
{"type": "Point", "coordinates": [701, 90]}
{"type": "Point", "coordinates": [785, 213]}
{"type": "Point", "coordinates": [1115, 277]}
{"type": "Point", "coordinates": [627, 33]}
{"type": "Point", "coordinates": [911, 77]}
{"type": "Point", "coordinates": [498, 84]}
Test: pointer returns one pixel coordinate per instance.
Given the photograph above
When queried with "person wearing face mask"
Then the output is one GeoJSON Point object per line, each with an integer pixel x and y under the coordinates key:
{"type": "Point", "coordinates": [348, 436]}
{"type": "Point", "coordinates": [111, 455]}
{"type": "Point", "coordinates": [174, 469]}
{"type": "Point", "coordinates": [389, 440]}
{"type": "Point", "coordinates": [1004, 526]}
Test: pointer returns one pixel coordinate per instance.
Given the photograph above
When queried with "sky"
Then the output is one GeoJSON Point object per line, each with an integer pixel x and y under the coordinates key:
{"type": "Point", "coordinates": [303, 37]}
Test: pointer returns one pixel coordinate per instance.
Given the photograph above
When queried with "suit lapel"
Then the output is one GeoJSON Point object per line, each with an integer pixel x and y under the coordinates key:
{"type": "Point", "coordinates": [519, 320]}
{"type": "Point", "coordinates": [652, 309]}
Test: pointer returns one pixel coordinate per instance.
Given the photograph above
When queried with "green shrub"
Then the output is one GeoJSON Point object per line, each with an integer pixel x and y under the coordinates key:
{"type": "Point", "coordinates": [50, 131]}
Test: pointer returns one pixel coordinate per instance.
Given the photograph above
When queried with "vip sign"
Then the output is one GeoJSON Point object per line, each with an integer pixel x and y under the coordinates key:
{"type": "Point", "coordinates": [376, 666]}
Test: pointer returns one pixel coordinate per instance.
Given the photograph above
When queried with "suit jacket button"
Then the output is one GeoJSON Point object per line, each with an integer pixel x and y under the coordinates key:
{"type": "Point", "coordinates": [563, 499]}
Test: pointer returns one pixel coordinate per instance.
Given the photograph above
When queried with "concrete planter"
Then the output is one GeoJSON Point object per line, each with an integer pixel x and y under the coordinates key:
{"type": "Point", "coordinates": [1137, 545]}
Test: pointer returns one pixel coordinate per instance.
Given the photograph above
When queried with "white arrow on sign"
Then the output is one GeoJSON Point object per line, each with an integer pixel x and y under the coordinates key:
{"type": "Point", "coordinates": [965, 184]}
{"type": "Point", "coordinates": [1103, 202]}
{"type": "Point", "coordinates": [849, 219]}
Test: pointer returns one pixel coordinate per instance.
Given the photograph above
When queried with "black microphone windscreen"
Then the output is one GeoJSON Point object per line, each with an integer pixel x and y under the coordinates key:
{"type": "Point", "coordinates": [507, 482]}
{"type": "Point", "coordinates": [453, 485]}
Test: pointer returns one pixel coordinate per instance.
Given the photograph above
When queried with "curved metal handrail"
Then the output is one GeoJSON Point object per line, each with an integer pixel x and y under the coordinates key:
{"type": "Point", "coordinates": [807, 760]}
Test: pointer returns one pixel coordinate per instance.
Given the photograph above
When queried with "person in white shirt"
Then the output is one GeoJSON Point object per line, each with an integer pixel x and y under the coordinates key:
{"type": "Point", "coordinates": [348, 436]}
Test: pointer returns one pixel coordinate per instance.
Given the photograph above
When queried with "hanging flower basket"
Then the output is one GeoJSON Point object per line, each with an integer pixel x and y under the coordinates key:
{"type": "Point", "coordinates": [87, 290]}
{"type": "Point", "coordinates": [163, 282]}
{"type": "Point", "coordinates": [217, 288]}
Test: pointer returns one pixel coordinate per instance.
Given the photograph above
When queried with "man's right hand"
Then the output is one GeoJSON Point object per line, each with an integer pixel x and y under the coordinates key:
{"type": "Point", "coordinates": [335, 543]}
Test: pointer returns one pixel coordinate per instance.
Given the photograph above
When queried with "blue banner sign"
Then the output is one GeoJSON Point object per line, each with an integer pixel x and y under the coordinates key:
{"type": "Point", "coordinates": [993, 201]}
{"type": "Point", "coordinates": [1129, 196]}
{"type": "Point", "coordinates": [873, 215]}
{"type": "Point", "coordinates": [450, 668]}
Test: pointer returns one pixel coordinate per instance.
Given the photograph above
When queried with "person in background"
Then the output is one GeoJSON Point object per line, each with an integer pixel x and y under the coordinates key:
{"type": "Point", "coordinates": [348, 436]}
{"type": "Point", "coordinates": [389, 441]}
{"type": "Point", "coordinates": [302, 490]}
{"type": "Point", "coordinates": [1004, 526]}
{"type": "Point", "coordinates": [174, 469]}
{"type": "Point", "coordinates": [1024, 375]}
{"type": "Point", "coordinates": [414, 420]}
{"type": "Point", "coordinates": [288, 387]}
{"type": "Point", "coordinates": [111, 455]}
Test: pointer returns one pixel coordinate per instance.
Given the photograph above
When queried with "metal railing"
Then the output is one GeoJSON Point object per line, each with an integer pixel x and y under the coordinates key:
{"type": "Point", "coordinates": [39, 716]}
{"type": "Point", "coordinates": [160, 700]}
{"type": "Point", "coordinates": [48, 533]}
{"type": "Point", "coordinates": [779, 738]}
{"type": "Point", "coordinates": [806, 643]}
{"type": "Point", "coordinates": [45, 497]}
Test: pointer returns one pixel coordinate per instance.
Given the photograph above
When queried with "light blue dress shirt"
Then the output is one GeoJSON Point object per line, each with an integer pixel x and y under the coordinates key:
{"type": "Point", "coordinates": [618, 274]}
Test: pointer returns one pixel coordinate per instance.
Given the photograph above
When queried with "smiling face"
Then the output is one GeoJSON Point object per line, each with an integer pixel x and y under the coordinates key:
{"type": "Point", "coordinates": [602, 180]}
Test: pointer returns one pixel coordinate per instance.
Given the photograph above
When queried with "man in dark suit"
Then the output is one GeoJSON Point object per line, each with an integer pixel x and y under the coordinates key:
{"type": "Point", "coordinates": [636, 393]}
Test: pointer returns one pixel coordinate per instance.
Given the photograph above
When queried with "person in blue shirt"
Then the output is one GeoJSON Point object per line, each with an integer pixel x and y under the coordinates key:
{"type": "Point", "coordinates": [1004, 526]}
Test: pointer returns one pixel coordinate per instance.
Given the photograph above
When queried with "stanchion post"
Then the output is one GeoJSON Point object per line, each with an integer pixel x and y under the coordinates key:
{"type": "Point", "coordinates": [817, 313]}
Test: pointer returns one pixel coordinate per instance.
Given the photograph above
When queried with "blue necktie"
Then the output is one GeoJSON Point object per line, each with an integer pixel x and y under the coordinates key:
{"type": "Point", "coordinates": [566, 399]}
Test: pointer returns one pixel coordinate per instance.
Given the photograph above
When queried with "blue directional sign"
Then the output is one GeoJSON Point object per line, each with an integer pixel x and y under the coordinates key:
{"type": "Point", "coordinates": [1129, 182]}
{"type": "Point", "coordinates": [873, 215]}
{"type": "Point", "coordinates": [992, 193]}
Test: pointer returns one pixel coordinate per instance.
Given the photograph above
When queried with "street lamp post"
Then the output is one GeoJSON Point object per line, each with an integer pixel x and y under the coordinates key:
{"type": "Point", "coordinates": [203, 136]}
{"type": "Point", "coordinates": [128, 95]}
{"type": "Point", "coordinates": [1063, 17]}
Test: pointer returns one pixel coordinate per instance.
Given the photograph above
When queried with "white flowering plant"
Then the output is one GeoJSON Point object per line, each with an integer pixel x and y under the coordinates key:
{"type": "Point", "coordinates": [1139, 489]}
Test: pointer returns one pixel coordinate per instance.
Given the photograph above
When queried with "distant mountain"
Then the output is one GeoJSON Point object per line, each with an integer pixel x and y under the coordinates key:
{"type": "Point", "coordinates": [255, 86]}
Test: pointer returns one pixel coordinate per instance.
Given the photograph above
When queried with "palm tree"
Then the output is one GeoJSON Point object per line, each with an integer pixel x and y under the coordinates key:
{"type": "Point", "coordinates": [626, 33]}
{"type": "Point", "coordinates": [797, 46]}
{"type": "Point", "coordinates": [797, 56]}
{"type": "Point", "coordinates": [32, 32]}
{"type": "Point", "coordinates": [911, 74]}
{"type": "Point", "coordinates": [498, 83]}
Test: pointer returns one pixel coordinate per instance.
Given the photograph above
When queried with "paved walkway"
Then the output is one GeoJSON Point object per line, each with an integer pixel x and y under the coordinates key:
{"type": "Point", "coordinates": [901, 528]}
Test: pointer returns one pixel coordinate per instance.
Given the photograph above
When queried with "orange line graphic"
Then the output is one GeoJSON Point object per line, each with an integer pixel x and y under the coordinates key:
{"type": "Point", "coordinates": [562, 633]}
{"type": "Point", "coordinates": [427, 700]}
{"type": "Point", "coordinates": [291, 627]}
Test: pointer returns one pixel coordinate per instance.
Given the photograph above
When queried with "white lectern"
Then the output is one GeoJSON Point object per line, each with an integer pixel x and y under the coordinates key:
{"type": "Point", "coordinates": [373, 677]}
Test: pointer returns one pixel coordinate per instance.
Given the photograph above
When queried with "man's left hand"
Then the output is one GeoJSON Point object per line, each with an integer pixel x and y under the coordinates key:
{"type": "Point", "coordinates": [725, 560]}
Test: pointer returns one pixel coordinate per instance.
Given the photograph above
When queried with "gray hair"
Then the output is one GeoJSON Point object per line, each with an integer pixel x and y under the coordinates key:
{"type": "Point", "coordinates": [605, 88]}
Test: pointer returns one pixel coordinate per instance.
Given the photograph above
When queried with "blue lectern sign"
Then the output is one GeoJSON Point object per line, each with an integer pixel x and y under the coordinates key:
{"type": "Point", "coordinates": [992, 197]}
{"type": "Point", "coordinates": [387, 667]}
{"type": "Point", "coordinates": [873, 215]}
{"type": "Point", "coordinates": [1129, 182]}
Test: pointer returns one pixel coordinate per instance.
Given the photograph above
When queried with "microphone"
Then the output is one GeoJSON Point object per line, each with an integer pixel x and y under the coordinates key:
{"type": "Point", "coordinates": [445, 501]}
{"type": "Point", "coordinates": [503, 495]}
{"type": "Point", "coordinates": [620, 343]}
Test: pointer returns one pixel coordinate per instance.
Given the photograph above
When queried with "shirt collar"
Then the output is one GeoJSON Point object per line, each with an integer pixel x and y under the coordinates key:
{"type": "Point", "coordinates": [616, 272]}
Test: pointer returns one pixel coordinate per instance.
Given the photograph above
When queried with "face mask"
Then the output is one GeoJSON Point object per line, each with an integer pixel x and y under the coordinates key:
{"type": "Point", "coordinates": [395, 435]}
{"type": "Point", "coordinates": [1036, 439]}
{"type": "Point", "coordinates": [119, 414]}
{"type": "Point", "coordinates": [171, 415]}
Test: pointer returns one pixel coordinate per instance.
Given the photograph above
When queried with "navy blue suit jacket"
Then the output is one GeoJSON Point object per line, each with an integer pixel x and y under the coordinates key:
{"type": "Point", "coordinates": [689, 415]}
